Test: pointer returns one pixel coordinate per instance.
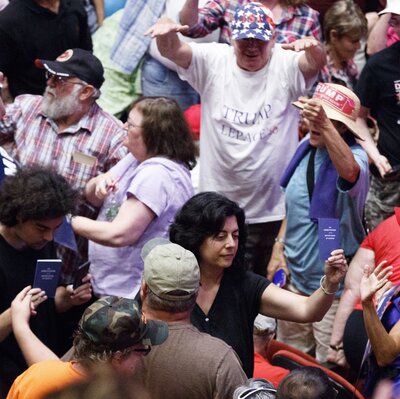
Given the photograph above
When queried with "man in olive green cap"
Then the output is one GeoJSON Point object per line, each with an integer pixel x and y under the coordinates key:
{"type": "Point", "coordinates": [189, 362]}
{"type": "Point", "coordinates": [112, 330]}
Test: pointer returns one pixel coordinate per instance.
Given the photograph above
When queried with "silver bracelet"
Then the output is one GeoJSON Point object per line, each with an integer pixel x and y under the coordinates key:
{"type": "Point", "coordinates": [280, 240]}
{"type": "Point", "coordinates": [321, 284]}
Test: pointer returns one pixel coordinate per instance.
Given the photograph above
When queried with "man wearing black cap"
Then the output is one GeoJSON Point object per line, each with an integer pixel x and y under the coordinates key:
{"type": "Point", "coordinates": [189, 363]}
{"type": "Point", "coordinates": [65, 129]}
{"type": "Point", "coordinates": [31, 29]}
{"type": "Point", "coordinates": [112, 330]}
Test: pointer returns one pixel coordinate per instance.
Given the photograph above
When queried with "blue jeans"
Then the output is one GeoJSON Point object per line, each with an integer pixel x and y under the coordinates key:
{"type": "Point", "coordinates": [158, 80]}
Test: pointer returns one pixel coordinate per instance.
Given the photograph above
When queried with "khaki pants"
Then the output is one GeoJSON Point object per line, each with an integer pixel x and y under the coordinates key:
{"type": "Point", "coordinates": [309, 337]}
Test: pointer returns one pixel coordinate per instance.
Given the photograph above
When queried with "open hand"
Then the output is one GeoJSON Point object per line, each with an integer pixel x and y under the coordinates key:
{"type": "Point", "coordinates": [304, 43]}
{"type": "Point", "coordinates": [376, 280]}
{"type": "Point", "coordinates": [165, 26]}
{"type": "Point", "coordinates": [25, 303]}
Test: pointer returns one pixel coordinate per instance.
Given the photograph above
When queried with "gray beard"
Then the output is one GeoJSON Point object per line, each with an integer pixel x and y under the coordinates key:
{"type": "Point", "coordinates": [58, 108]}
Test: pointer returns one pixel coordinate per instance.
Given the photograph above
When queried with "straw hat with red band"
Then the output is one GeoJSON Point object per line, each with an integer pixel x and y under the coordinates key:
{"type": "Point", "coordinates": [339, 103]}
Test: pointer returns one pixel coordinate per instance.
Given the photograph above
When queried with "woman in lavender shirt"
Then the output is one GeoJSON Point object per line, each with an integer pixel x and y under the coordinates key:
{"type": "Point", "coordinates": [139, 196]}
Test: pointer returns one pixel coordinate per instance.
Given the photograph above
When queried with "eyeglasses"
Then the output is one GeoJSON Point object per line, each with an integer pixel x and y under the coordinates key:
{"type": "Point", "coordinates": [129, 124]}
{"type": "Point", "coordinates": [251, 391]}
{"type": "Point", "coordinates": [61, 80]}
{"type": "Point", "coordinates": [144, 351]}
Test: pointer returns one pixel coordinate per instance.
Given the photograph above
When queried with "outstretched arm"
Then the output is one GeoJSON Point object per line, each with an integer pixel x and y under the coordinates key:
{"type": "Point", "coordinates": [33, 349]}
{"type": "Point", "coordinates": [286, 305]}
{"type": "Point", "coordinates": [386, 346]}
{"type": "Point", "coordinates": [168, 43]}
{"type": "Point", "coordinates": [347, 302]}
{"type": "Point", "coordinates": [314, 57]}
{"type": "Point", "coordinates": [130, 223]}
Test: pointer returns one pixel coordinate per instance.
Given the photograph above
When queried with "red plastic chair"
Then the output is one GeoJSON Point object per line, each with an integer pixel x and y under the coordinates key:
{"type": "Point", "coordinates": [275, 346]}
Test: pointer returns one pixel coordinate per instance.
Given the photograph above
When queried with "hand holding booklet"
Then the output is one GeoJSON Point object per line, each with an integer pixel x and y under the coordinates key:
{"type": "Point", "coordinates": [47, 275]}
{"type": "Point", "coordinates": [329, 236]}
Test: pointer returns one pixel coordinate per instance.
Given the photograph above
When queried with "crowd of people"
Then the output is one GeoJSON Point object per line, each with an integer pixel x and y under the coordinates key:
{"type": "Point", "coordinates": [213, 175]}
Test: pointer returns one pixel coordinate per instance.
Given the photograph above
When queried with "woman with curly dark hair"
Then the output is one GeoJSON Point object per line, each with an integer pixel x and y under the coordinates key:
{"type": "Point", "coordinates": [229, 299]}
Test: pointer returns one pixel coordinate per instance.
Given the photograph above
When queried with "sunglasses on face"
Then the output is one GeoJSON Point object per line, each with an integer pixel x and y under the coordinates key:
{"type": "Point", "coordinates": [144, 351]}
{"type": "Point", "coordinates": [62, 80]}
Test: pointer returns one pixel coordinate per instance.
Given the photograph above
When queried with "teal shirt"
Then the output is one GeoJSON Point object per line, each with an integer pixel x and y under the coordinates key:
{"type": "Point", "coordinates": [301, 239]}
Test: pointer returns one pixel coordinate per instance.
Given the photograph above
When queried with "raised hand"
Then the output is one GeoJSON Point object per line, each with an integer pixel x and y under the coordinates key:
{"type": "Point", "coordinates": [376, 280]}
{"type": "Point", "coordinates": [165, 26]}
{"type": "Point", "coordinates": [305, 43]}
{"type": "Point", "coordinates": [25, 303]}
{"type": "Point", "coordinates": [335, 267]}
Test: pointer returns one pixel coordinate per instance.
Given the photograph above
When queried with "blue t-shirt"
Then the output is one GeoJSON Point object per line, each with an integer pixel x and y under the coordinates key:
{"type": "Point", "coordinates": [301, 239]}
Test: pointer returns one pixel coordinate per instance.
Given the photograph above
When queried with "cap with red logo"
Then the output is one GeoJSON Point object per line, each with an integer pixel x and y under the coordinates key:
{"type": "Point", "coordinates": [339, 103]}
{"type": "Point", "coordinates": [76, 62]}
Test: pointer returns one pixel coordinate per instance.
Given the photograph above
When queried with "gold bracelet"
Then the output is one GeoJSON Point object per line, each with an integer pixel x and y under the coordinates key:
{"type": "Point", "coordinates": [321, 284]}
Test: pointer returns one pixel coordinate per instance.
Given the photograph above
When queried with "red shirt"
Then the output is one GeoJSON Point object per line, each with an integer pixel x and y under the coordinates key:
{"type": "Point", "coordinates": [384, 240]}
{"type": "Point", "coordinates": [264, 369]}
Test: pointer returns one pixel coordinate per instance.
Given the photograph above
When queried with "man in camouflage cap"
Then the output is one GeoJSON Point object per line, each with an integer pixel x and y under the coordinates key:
{"type": "Point", "coordinates": [112, 330]}
{"type": "Point", "coordinates": [117, 323]}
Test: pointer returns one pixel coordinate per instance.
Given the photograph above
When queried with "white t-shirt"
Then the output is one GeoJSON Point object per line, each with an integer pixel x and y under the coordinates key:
{"type": "Point", "coordinates": [249, 129]}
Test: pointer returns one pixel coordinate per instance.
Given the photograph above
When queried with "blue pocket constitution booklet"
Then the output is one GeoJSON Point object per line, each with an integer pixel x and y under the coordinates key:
{"type": "Point", "coordinates": [47, 275]}
{"type": "Point", "coordinates": [329, 236]}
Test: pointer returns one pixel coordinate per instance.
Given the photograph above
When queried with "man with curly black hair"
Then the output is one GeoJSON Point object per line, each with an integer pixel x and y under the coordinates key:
{"type": "Point", "coordinates": [33, 204]}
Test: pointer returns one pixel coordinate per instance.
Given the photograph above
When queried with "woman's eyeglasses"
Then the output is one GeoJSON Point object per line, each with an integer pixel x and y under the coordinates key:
{"type": "Point", "coordinates": [130, 124]}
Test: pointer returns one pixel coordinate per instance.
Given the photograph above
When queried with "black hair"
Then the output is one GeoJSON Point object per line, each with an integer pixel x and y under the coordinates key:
{"type": "Point", "coordinates": [203, 216]}
{"type": "Point", "coordinates": [35, 193]}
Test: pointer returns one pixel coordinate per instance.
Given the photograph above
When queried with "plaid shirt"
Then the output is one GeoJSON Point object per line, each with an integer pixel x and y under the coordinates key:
{"type": "Point", "coordinates": [346, 76]}
{"type": "Point", "coordinates": [33, 139]}
{"type": "Point", "coordinates": [295, 23]}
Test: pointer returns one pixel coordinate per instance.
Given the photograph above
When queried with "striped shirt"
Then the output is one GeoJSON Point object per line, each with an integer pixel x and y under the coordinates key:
{"type": "Point", "coordinates": [296, 22]}
{"type": "Point", "coordinates": [80, 152]}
